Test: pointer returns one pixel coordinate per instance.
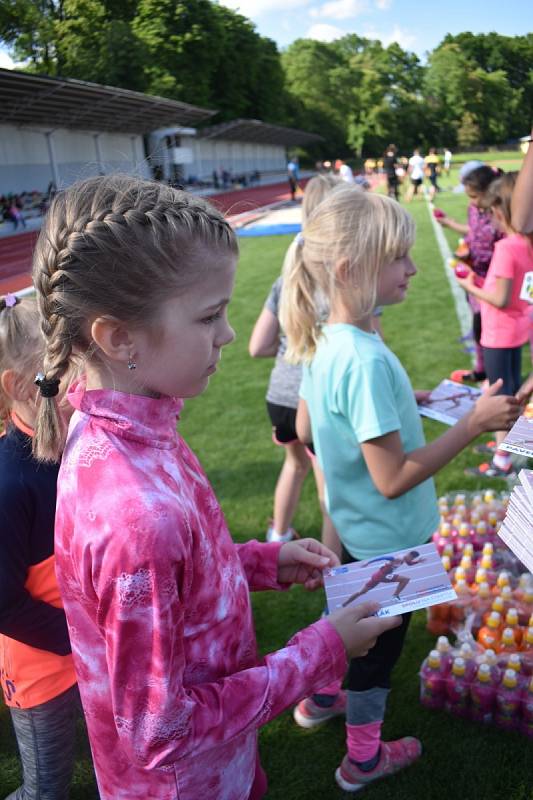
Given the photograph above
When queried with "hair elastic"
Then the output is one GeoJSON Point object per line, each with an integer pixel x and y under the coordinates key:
{"type": "Point", "coordinates": [47, 387]}
{"type": "Point", "coordinates": [300, 239]}
{"type": "Point", "coordinates": [10, 300]}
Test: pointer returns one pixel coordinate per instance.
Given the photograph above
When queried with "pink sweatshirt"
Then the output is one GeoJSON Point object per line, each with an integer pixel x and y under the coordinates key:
{"type": "Point", "coordinates": [157, 601]}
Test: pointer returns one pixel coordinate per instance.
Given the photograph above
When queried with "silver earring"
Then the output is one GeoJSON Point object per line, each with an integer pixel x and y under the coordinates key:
{"type": "Point", "coordinates": [131, 363]}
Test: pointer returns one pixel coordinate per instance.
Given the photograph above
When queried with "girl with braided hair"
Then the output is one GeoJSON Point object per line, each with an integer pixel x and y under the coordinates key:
{"type": "Point", "coordinates": [134, 279]}
{"type": "Point", "coordinates": [36, 669]}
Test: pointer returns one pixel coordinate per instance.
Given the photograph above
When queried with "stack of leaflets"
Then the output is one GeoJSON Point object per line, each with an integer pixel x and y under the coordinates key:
{"type": "Point", "coordinates": [402, 581]}
{"type": "Point", "coordinates": [517, 527]}
{"type": "Point", "coordinates": [449, 402]}
{"type": "Point", "coordinates": [519, 440]}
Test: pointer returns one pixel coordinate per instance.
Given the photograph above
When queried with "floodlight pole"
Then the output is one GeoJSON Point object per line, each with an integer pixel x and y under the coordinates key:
{"type": "Point", "coordinates": [134, 152]}
{"type": "Point", "coordinates": [52, 157]}
{"type": "Point", "coordinates": [96, 137]}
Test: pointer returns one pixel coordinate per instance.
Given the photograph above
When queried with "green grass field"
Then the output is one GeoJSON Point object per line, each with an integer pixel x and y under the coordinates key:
{"type": "Point", "coordinates": [229, 429]}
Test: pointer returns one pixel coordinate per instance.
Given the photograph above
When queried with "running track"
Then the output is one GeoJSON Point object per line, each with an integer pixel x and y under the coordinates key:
{"type": "Point", "coordinates": [16, 251]}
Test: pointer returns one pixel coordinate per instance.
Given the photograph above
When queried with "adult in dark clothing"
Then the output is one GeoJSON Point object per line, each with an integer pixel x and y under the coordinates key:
{"type": "Point", "coordinates": [390, 165]}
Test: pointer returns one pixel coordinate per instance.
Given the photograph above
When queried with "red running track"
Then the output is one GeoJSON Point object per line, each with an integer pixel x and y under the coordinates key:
{"type": "Point", "coordinates": [16, 251]}
{"type": "Point", "coordinates": [15, 261]}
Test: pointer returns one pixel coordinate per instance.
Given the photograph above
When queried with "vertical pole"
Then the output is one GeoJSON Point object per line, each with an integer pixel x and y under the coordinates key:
{"type": "Point", "coordinates": [133, 140]}
{"type": "Point", "coordinates": [96, 137]}
{"type": "Point", "coordinates": [52, 157]}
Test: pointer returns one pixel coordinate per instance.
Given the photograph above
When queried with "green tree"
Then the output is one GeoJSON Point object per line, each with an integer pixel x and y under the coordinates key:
{"type": "Point", "coordinates": [248, 80]}
{"type": "Point", "coordinates": [182, 43]}
{"type": "Point", "coordinates": [468, 133]}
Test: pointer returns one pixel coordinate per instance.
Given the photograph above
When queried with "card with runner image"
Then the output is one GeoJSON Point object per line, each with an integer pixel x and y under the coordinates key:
{"type": "Point", "coordinates": [402, 581]}
{"type": "Point", "coordinates": [449, 402]}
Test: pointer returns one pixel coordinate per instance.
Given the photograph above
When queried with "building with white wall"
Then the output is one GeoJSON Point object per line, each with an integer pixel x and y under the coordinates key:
{"type": "Point", "coordinates": [240, 147]}
{"type": "Point", "coordinates": [59, 130]}
{"type": "Point", "coordinates": [56, 131]}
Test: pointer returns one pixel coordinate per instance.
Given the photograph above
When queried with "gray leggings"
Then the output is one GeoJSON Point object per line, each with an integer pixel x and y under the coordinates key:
{"type": "Point", "coordinates": [46, 737]}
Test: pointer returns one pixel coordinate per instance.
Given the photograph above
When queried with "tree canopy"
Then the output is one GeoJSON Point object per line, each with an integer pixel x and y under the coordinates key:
{"type": "Point", "coordinates": [358, 94]}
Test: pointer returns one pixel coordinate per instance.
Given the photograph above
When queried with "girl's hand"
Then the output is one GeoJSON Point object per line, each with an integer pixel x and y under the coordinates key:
{"type": "Point", "coordinates": [422, 396]}
{"type": "Point", "coordinates": [359, 629]}
{"type": "Point", "coordinates": [302, 561]}
{"type": "Point", "coordinates": [526, 390]}
{"type": "Point", "coordinates": [468, 282]}
{"type": "Point", "coordinates": [494, 412]}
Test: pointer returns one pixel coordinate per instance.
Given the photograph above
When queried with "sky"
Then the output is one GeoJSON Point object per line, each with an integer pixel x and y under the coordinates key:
{"type": "Point", "coordinates": [417, 25]}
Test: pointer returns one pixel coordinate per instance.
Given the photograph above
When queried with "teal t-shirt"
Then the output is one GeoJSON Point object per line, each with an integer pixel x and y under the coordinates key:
{"type": "Point", "coordinates": [356, 390]}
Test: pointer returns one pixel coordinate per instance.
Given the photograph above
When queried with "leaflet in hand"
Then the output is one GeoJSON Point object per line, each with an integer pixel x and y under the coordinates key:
{"type": "Point", "coordinates": [449, 402]}
{"type": "Point", "coordinates": [403, 581]}
{"type": "Point", "coordinates": [520, 438]}
{"type": "Point", "coordinates": [517, 527]}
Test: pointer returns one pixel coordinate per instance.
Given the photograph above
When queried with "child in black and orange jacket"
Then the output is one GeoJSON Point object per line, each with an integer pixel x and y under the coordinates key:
{"type": "Point", "coordinates": [36, 669]}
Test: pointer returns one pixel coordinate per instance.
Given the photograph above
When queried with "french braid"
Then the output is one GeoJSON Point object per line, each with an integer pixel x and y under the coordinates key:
{"type": "Point", "coordinates": [114, 246]}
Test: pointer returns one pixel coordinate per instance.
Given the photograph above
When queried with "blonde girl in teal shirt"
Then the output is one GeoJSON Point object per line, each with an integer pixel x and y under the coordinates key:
{"type": "Point", "coordinates": [359, 407]}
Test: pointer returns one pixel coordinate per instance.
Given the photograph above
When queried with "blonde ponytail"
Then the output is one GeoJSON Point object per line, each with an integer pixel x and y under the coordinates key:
{"type": "Point", "coordinates": [298, 315]}
{"type": "Point", "coordinates": [367, 231]}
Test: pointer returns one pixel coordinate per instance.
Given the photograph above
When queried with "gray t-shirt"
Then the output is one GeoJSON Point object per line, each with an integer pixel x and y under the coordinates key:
{"type": "Point", "coordinates": [285, 379]}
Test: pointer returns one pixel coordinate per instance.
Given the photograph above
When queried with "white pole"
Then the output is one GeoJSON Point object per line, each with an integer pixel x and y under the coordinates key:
{"type": "Point", "coordinates": [52, 157]}
{"type": "Point", "coordinates": [96, 137]}
{"type": "Point", "coordinates": [134, 152]}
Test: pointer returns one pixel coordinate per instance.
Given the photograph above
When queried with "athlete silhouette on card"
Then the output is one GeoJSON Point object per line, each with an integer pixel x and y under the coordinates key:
{"type": "Point", "coordinates": [386, 574]}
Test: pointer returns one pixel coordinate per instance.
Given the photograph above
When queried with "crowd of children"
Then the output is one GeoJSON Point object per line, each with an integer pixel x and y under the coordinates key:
{"type": "Point", "coordinates": [499, 260]}
{"type": "Point", "coordinates": [150, 617]}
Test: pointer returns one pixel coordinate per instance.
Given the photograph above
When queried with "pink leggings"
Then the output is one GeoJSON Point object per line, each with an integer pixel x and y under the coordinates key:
{"type": "Point", "coordinates": [260, 785]}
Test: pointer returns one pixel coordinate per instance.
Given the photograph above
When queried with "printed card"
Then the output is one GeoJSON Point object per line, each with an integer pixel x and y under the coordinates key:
{"type": "Point", "coordinates": [526, 479]}
{"type": "Point", "coordinates": [403, 581]}
{"type": "Point", "coordinates": [520, 543]}
{"type": "Point", "coordinates": [449, 402]}
{"type": "Point", "coordinates": [517, 527]}
{"type": "Point", "coordinates": [526, 292]}
{"type": "Point", "coordinates": [520, 438]}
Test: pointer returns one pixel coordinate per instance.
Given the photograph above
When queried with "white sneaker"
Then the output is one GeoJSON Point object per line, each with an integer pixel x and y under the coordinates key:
{"type": "Point", "coordinates": [274, 536]}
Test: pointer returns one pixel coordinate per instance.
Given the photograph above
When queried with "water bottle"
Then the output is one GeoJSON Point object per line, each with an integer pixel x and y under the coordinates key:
{"type": "Point", "coordinates": [508, 702]}
{"type": "Point", "coordinates": [458, 689]}
{"type": "Point", "coordinates": [432, 691]}
{"type": "Point", "coordinates": [489, 634]}
{"type": "Point", "coordinates": [483, 695]}
{"type": "Point", "coordinates": [507, 643]}
{"type": "Point", "coordinates": [444, 649]}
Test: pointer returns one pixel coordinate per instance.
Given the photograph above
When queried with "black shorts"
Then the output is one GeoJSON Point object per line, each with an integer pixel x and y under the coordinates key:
{"type": "Point", "coordinates": [416, 181]}
{"type": "Point", "coordinates": [504, 363]}
{"type": "Point", "coordinates": [283, 421]}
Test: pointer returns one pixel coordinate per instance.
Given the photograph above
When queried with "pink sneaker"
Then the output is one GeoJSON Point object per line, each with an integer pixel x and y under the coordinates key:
{"type": "Point", "coordinates": [394, 757]}
{"type": "Point", "coordinates": [308, 714]}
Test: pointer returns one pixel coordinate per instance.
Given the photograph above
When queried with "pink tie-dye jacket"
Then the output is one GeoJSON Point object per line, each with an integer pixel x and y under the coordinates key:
{"type": "Point", "coordinates": [157, 601]}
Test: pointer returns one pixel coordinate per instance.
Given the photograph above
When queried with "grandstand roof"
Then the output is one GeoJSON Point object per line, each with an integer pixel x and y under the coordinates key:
{"type": "Point", "coordinates": [27, 99]}
{"type": "Point", "coordinates": [253, 130]}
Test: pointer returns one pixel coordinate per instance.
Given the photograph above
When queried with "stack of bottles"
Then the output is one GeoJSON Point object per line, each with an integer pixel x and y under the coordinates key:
{"type": "Point", "coordinates": [480, 566]}
{"type": "Point", "coordinates": [482, 685]}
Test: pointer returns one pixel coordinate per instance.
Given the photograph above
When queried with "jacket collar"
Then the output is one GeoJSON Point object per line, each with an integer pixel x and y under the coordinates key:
{"type": "Point", "coordinates": [150, 420]}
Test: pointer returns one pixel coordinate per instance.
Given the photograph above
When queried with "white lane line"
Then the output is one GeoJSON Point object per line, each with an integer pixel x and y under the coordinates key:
{"type": "Point", "coordinates": [462, 309]}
